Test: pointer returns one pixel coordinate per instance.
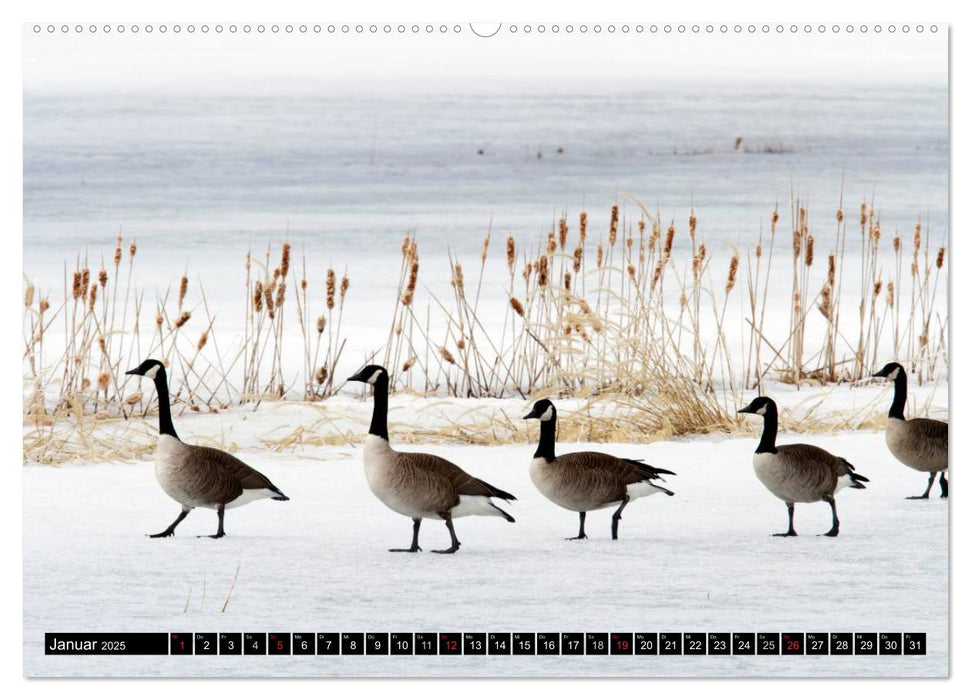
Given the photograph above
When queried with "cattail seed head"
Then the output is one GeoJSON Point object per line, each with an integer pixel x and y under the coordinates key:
{"type": "Point", "coordinates": [409, 363]}
{"type": "Point", "coordinates": [831, 269]}
{"type": "Point", "coordinates": [303, 285]}
{"type": "Point", "coordinates": [510, 253]}
{"type": "Point", "coordinates": [76, 286]}
{"type": "Point", "coordinates": [281, 292]}
{"type": "Point", "coordinates": [550, 243]}
{"type": "Point", "coordinates": [641, 226]}
{"type": "Point", "coordinates": [485, 247]}
{"type": "Point", "coordinates": [657, 275]}
{"type": "Point", "coordinates": [85, 281]}
{"type": "Point", "coordinates": [92, 297]}
{"type": "Point", "coordinates": [405, 246]}
{"type": "Point", "coordinates": [331, 284]}
{"type": "Point", "coordinates": [758, 250]}
{"type": "Point", "coordinates": [583, 227]}
{"type": "Point", "coordinates": [774, 220]}
{"type": "Point", "coordinates": [321, 375]}
{"type": "Point", "coordinates": [103, 346]}
{"type": "Point", "coordinates": [562, 232]}
{"type": "Point", "coordinates": [862, 214]}
{"type": "Point", "coordinates": [839, 215]}
{"type": "Point", "coordinates": [890, 294]}
{"type": "Point", "coordinates": [542, 274]}
{"type": "Point", "coordinates": [896, 244]}
{"type": "Point", "coordinates": [132, 249]}
{"type": "Point", "coordinates": [810, 247]}
{"type": "Point", "coordinates": [631, 271]}
{"type": "Point", "coordinates": [600, 255]}
{"type": "Point", "coordinates": [684, 299]}
{"type": "Point", "coordinates": [460, 344]}
{"type": "Point", "coordinates": [692, 225]}
{"type": "Point", "coordinates": [446, 355]}
{"type": "Point", "coordinates": [669, 241]}
{"type": "Point", "coordinates": [940, 258]}
{"type": "Point", "coordinates": [203, 339]}
{"type": "Point", "coordinates": [285, 260]}
{"type": "Point", "coordinates": [345, 285]}
{"type": "Point", "coordinates": [732, 272]}
{"type": "Point", "coordinates": [917, 230]}
{"type": "Point", "coordinates": [258, 296]}
{"type": "Point", "coordinates": [567, 280]}
{"type": "Point", "coordinates": [118, 253]}
{"type": "Point", "coordinates": [103, 380]}
{"type": "Point", "coordinates": [29, 295]}
{"type": "Point", "coordinates": [877, 288]}
{"type": "Point", "coordinates": [517, 306]}
{"type": "Point", "coordinates": [183, 319]}
{"type": "Point", "coordinates": [44, 305]}
{"type": "Point", "coordinates": [321, 324]}
{"type": "Point", "coordinates": [183, 288]}
{"type": "Point", "coordinates": [826, 303]}
{"type": "Point", "coordinates": [577, 258]}
{"type": "Point", "coordinates": [458, 279]}
{"type": "Point", "coordinates": [103, 278]}
{"type": "Point", "coordinates": [158, 320]}
{"type": "Point", "coordinates": [614, 219]}
{"type": "Point", "coordinates": [132, 399]}
{"type": "Point", "coordinates": [527, 272]}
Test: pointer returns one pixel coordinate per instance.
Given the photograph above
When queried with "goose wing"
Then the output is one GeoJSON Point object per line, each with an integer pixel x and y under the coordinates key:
{"type": "Point", "coordinates": [463, 483]}
{"type": "Point", "coordinates": [232, 473]}
{"type": "Point", "coordinates": [928, 429]}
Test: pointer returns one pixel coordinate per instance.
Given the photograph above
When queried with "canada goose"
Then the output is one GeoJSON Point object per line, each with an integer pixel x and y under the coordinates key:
{"type": "Point", "coordinates": [198, 476]}
{"type": "Point", "coordinates": [920, 443]}
{"type": "Point", "coordinates": [798, 473]}
{"type": "Point", "coordinates": [420, 485]}
{"type": "Point", "coordinates": [584, 481]}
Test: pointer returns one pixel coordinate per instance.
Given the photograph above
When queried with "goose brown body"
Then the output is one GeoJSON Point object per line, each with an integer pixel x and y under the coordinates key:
{"type": "Point", "coordinates": [801, 473]}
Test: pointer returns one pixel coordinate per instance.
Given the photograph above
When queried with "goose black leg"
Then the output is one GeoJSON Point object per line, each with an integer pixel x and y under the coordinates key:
{"type": "Point", "coordinates": [943, 486]}
{"type": "Point", "coordinates": [414, 538]}
{"type": "Point", "coordinates": [930, 482]}
{"type": "Point", "coordinates": [170, 530]}
{"type": "Point", "coordinates": [791, 532]}
{"type": "Point", "coordinates": [219, 531]}
{"type": "Point", "coordinates": [451, 530]}
{"type": "Point", "coordinates": [835, 530]}
{"type": "Point", "coordinates": [582, 535]}
{"type": "Point", "coordinates": [616, 520]}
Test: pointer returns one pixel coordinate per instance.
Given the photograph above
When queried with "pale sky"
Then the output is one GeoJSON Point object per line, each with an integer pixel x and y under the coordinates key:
{"type": "Point", "coordinates": [241, 62]}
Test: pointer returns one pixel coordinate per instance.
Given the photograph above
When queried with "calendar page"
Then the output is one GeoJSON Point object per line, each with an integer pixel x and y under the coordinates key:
{"type": "Point", "coordinates": [423, 349]}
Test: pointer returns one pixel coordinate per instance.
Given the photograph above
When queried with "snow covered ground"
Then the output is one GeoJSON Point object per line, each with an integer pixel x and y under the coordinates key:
{"type": "Point", "coordinates": [702, 561]}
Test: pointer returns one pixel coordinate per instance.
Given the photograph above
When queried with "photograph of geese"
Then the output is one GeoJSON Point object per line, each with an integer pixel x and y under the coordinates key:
{"type": "Point", "coordinates": [919, 443]}
{"type": "Point", "coordinates": [416, 484]}
{"type": "Point", "coordinates": [196, 476]}
{"type": "Point", "coordinates": [799, 473]}
{"type": "Point", "coordinates": [585, 481]}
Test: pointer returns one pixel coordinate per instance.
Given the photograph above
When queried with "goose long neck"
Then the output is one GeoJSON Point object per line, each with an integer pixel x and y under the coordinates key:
{"type": "Point", "coordinates": [165, 426]}
{"type": "Point", "coordinates": [899, 395]}
{"type": "Point", "coordinates": [770, 429]}
{"type": "Point", "coordinates": [547, 440]}
{"type": "Point", "coordinates": [379, 416]}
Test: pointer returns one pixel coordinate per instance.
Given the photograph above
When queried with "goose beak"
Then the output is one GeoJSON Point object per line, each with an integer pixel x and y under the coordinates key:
{"type": "Point", "coordinates": [357, 378]}
{"type": "Point", "coordinates": [747, 409]}
{"type": "Point", "coordinates": [531, 414]}
{"type": "Point", "coordinates": [132, 371]}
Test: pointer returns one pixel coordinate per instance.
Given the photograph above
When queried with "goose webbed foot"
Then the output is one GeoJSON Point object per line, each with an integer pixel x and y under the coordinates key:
{"type": "Point", "coordinates": [214, 537]}
{"type": "Point", "coordinates": [578, 537]}
{"type": "Point", "coordinates": [416, 526]}
{"type": "Point", "coordinates": [409, 549]}
{"type": "Point", "coordinates": [170, 530]}
{"type": "Point", "coordinates": [790, 533]}
{"type": "Point", "coordinates": [451, 550]}
{"type": "Point", "coordinates": [922, 497]}
{"type": "Point", "coordinates": [832, 533]}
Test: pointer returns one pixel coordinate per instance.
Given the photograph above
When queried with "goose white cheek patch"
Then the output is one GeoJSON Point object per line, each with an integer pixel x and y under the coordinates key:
{"type": "Point", "coordinates": [374, 377]}
{"type": "Point", "coordinates": [547, 415]}
{"type": "Point", "coordinates": [152, 372]}
{"type": "Point", "coordinates": [761, 411]}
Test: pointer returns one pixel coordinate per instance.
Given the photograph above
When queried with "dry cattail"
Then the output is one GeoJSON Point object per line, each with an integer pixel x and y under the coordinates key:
{"type": "Point", "coordinates": [583, 227]}
{"type": "Point", "coordinates": [550, 243]}
{"type": "Point", "coordinates": [248, 260]}
{"type": "Point", "coordinates": [510, 253]}
{"type": "Point", "coordinates": [132, 249]}
{"type": "Point", "coordinates": [460, 344]}
{"type": "Point", "coordinates": [183, 288]}
{"type": "Point", "coordinates": [567, 329]}
{"type": "Point", "coordinates": [577, 258]}
{"type": "Point", "coordinates": [641, 225]}
{"type": "Point", "coordinates": [630, 243]}
{"type": "Point", "coordinates": [877, 288]}
{"type": "Point", "coordinates": [132, 399]}
{"type": "Point", "coordinates": [44, 305]}
{"type": "Point", "coordinates": [183, 319]}
{"type": "Point", "coordinates": [103, 380]}
{"type": "Point", "coordinates": [567, 280]}
{"type": "Point", "coordinates": [158, 320]}
{"type": "Point", "coordinates": [913, 268]}
{"type": "Point", "coordinates": [600, 255]}
{"type": "Point", "coordinates": [631, 271]}
{"type": "Point", "coordinates": [831, 269]}
{"type": "Point", "coordinates": [657, 275]}
{"type": "Point", "coordinates": [839, 215]}
{"type": "Point", "coordinates": [345, 285]}
{"type": "Point", "coordinates": [890, 294]}
{"type": "Point", "coordinates": [268, 298]}
{"type": "Point", "coordinates": [655, 235]}
{"type": "Point", "coordinates": [76, 286]}
{"type": "Point", "coordinates": [118, 253]}
{"type": "Point", "coordinates": [774, 220]}
{"type": "Point", "coordinates": [29, 295]}
{"type": "Point", "coordinates": [103, 345]}
{"type": "Point", "coordinates": [103, 278]}
{"type": "Point", "coordinates": [732, 272]}
{"type": "Point", "coordinates": [331, 284]}
{"type": "Point", "coordinates": [258, 296]}
{"type": "Point", "coordinates": [917, 228]}
{"type": "Point", "coordinates": [92, 297]}
{"type": "Point", "coordinates": [527, 272]}
{"type": "Point", "coordinates": [446, 355]}
{"type": "Point", "coordinates": [810, 248]}
{"type": "Point", "coordinates": [862, 214]}
{"type": "Point", "coordinates": [797, 302]}
{"type": "Point", "coordinates": [826, 303]}
{"type": "Point", "coordinates": [758, 250]}
{"type": "Point", "coordinates": [875, 232]}
{"type": "Point", "coordinates": [517, 306]}
{"type": "Point", "coordinates": [562, 232]}
{"type": "Point", "coordinates": [285, 260]}
{"type": "Point", "coordinates": [940, 258]}
{"type": "Point", "coordinates": [458, 279]}
{"type": "Point", "coordinates": [281, 293]}
{"type": "Point", "coordinates": [614, 219]}
{"type": "Point", "coordinates": [203, 339]}
{"type": "Point", "coordinates": [409, 293]}
{"type": "Point", "coordinates": [321, 375]}
{"type": "Point", "coordinates": [896, 243]}
{"type": "Point", "coordinates": [405, 246]}
{"type": "Point", "coordinates": [398, 328]}
{"type": "Point", "coordinates": [409, 363]}
{"type": "Point", "coordinates": [669, 241]}
{"type": "Point", "coordinates": [692, 225]}
{"type": "Point", "coordinates": [485, 247]}
{"type": "Point", "coordinates": [684, 299]}
{"type": "Point", "coordinates": [695, 266]}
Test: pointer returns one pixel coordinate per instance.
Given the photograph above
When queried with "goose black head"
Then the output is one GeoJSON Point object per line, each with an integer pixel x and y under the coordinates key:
{"type": "Point", "coordinates": [149, 368]}
{"type": "Point", "coordinates": [370, 374]}
{"type": "Point", "coordinates": [761, 406]}
{"type": "Point", "coordinates": [890, 370]}
{"type": "Point", "coordinates": [542, 409]}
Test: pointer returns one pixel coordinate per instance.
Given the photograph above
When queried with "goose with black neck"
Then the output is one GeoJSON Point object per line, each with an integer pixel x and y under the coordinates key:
{"type": "Point", "coordinates": [196, 476]}
{"type": "Point", "coordinates": [798, 473]}
{"type": "Point", "coordinates": [416, 484]}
